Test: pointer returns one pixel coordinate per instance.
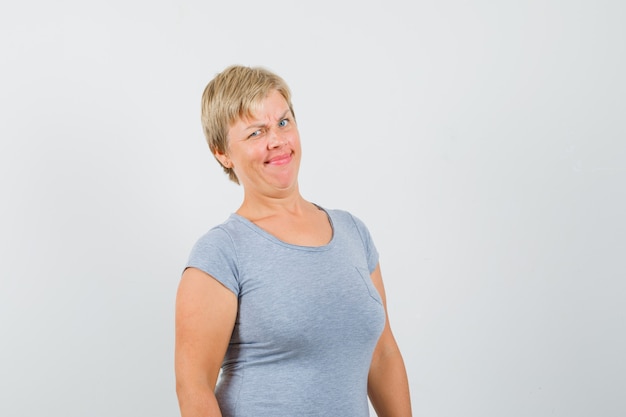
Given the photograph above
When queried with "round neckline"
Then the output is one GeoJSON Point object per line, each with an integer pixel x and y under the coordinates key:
{"type": "Point", "coordinates": [280, 242]}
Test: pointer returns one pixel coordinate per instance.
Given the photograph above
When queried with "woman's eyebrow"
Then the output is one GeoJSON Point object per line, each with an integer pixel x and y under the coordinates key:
{"type": "Point", "coordinates": [262, 124]}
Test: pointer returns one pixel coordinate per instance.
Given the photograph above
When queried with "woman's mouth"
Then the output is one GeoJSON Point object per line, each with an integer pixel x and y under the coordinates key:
{"type": "Point", "coordinates": [279, 159]}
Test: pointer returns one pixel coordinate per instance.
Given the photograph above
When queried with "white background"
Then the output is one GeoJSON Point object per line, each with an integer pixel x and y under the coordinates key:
{"type": "Point", "coordinates": [483, 142]}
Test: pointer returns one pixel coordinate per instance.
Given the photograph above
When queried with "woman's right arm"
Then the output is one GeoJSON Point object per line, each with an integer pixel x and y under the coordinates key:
{"type": "Point", "coordinates": [205, 317]}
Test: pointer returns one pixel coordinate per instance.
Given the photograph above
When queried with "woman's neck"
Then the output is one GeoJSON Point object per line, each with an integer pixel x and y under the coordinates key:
{"type": "Point", "coordinates": [256, 206]}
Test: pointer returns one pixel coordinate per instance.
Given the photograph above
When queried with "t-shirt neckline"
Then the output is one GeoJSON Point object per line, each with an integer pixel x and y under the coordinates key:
{"type": "Point", "coordinates": [280, 242]}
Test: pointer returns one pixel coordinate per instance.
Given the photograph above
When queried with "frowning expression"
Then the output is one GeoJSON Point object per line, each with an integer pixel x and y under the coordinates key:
{"type": "Point", "coordinates": [264, 148]}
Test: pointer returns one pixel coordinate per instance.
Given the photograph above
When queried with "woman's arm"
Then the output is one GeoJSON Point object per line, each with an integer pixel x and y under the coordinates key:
{"type": "Point", "coordinates": [387, 385]}
{"type": "Point", "coordinates": [205, 316]}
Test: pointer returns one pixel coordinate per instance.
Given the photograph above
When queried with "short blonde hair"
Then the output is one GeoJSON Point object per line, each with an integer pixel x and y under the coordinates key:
{"type": "Point", "coordinates": [234, 93]}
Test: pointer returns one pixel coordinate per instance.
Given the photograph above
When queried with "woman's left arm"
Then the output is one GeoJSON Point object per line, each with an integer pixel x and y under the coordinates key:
{"type": "Point", "coordinates": [387, 385]}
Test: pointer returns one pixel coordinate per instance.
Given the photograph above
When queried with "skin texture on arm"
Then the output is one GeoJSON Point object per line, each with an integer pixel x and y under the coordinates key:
{"type": "Point", "coordinates": [387, 385]}
{"type": "Point", "coordinates": [205, 317]}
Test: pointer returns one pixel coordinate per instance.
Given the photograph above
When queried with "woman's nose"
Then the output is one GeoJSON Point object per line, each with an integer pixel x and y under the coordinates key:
{"type": "Point", "coordinates": [275, 139]}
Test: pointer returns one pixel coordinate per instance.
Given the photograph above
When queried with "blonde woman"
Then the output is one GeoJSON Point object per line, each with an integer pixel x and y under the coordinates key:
{"type": "Point", "coordinates": [285, 297]}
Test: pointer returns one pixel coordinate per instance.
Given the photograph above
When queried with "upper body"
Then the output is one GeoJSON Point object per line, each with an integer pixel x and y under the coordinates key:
{"type": "Point", "coordinates": [308, 319]}
{"type": "Point", "coordinates": [270, 296]}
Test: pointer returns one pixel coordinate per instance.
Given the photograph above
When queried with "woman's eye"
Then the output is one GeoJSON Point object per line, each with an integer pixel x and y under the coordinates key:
{"type": "Point", "coordinates": [283, 123]}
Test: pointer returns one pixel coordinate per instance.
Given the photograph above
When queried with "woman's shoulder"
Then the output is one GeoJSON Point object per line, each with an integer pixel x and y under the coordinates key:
{"type": "Point", "coordinates": [221, 232]}
{"type": "Point", "coordinates": [342, 214]}
{"type": "Point", "coordinates": [341, 217]}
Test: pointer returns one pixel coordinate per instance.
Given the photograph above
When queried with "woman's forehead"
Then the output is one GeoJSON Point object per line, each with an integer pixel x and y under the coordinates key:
{"type": "Point", "coordinates": [272, 106]}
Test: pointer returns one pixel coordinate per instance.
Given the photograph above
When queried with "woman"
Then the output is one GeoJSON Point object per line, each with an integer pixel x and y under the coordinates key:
{"type": "Point", "coordinates": [285, 297]}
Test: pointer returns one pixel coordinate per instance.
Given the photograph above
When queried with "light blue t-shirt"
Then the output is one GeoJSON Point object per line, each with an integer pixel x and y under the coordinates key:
{"type": "Point", "coordinates": [307, 323]}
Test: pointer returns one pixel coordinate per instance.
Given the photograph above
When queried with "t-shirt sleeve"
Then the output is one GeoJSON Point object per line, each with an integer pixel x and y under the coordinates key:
{"type": "Point", "coordinates": [214, 254]}
{"type": "Point", "coordinates": [370, 249]}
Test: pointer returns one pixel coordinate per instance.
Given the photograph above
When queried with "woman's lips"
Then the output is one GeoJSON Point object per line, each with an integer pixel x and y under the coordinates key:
{"type": "Point", "coordinates": [279, 159]}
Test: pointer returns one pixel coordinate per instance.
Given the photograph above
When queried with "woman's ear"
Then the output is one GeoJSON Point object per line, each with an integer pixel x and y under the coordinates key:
{"type": "Point", "coordinates": [224, 160]}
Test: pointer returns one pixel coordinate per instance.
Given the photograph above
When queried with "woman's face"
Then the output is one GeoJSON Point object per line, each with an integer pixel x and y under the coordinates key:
{"type": "Point", "coordinates": [264, 149]}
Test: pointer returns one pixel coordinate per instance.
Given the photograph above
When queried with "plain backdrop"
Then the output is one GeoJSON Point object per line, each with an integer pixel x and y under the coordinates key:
{"type": "Point", "coordinates": [482, 142]}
